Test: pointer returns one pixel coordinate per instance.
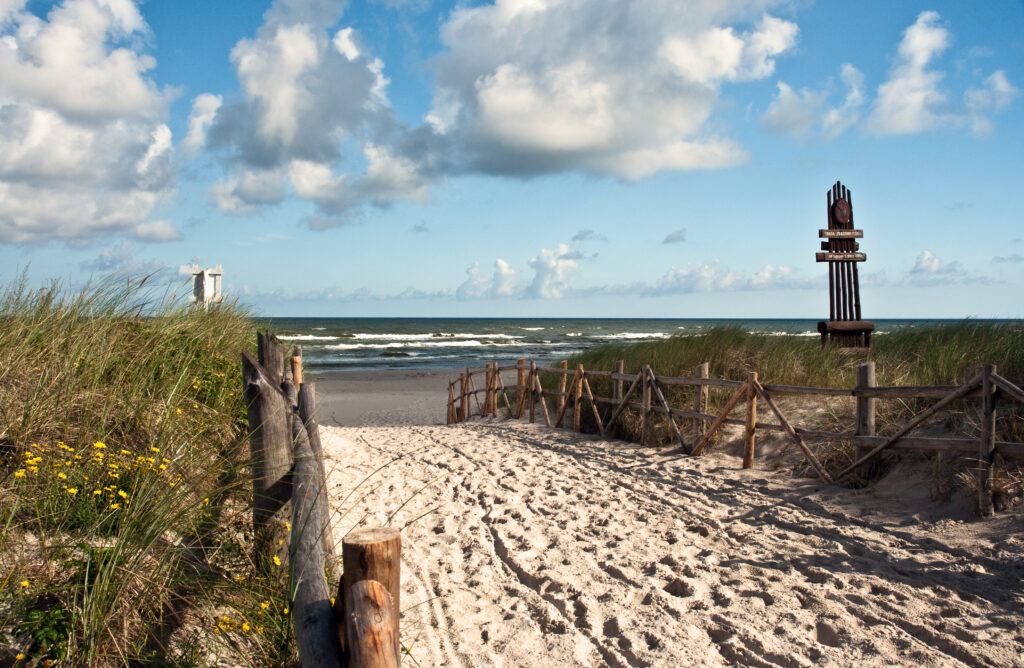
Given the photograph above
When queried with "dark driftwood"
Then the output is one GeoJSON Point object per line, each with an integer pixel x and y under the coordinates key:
{"type": "Point", "coordinates": [270, 446]}
{"type": "Point", "coordinates": [921, 417]}
{"type": "Point", "coordinates": [719, 421]}
{"type": "Point", "coordinates": [372, 623]}
{"type": "Point", "coordinates": [822, 473]}
{"type": "Point", "coordinates": [308, 416]}
{"type": "Point", "coordinates": [370, 554]}
{"type": "Point", "coordinates": [312, 618]}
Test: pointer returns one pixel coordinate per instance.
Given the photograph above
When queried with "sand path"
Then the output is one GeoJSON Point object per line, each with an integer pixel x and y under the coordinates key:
{"type": "Point", "coordinates": [525, 546]}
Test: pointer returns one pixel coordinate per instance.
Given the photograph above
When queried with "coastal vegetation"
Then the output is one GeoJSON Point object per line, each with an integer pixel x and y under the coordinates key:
{"type": "Point", "coordinates": [124, 509]}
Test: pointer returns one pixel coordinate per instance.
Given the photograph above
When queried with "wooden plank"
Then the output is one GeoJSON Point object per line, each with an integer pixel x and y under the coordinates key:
{"type": "Point", "coordinates": [696, 380]}
{"type": "Point", "coordinates": [577, 406]}
{"type": "Point", "coordinates": [563, 365]}
{"type": "Point", "coordinates": [617, 385]}
{"type": "Point", "coordinates": [840, 234]}
{"type": "Point", "coordinates": [700, 400]}
{"type": "Point", "coordinates": [504, 392]}
{"type": "Point", "coordinates": [369, 554]}
{"type": "Point", "coordinates": [316, 635]}
{"type": "Point", "coordinates": [372, 623]}
{"type": "Point", "coordinates": [531, 398]}
{"type": "Point", "coordinates": [796, 389]}
{"type": "Point", "coordinates": [1008, 388]}
{"type": "Point", "coordinates": [719, 421]}
{"type": "Point", "coordinates": [668, 409]}
{"type": "Point", "coordinates": [842, 256]}
{"type": "Point", "coordinates": [622, 404]}
{"type": "Point", "coordinates": [921, 417]}
{"type": "Point", "coordinates": [521, 386]}
{"type": "Point", "coordinates": [750, 434]}
{"type": "Point", "coordinates": [966, 446]}
{"type": "Point", "coordinates": [811, 459]}
{"type": "Point", "coordinates": [645, 399]}
{"type": "Point", "coordinates": [908, 392]}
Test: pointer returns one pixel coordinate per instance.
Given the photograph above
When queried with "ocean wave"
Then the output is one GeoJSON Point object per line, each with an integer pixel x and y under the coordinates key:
{"type": "Point", "coordinates": [306, 337]}
{"type": "Point", "coordinates": [426, 337]}
{"type": "Point", "coordinates": [533, 329]}
{"type": "Point", "coordinates": [423, 344]}
{"type": "Point", "coordinates": [635, 335]}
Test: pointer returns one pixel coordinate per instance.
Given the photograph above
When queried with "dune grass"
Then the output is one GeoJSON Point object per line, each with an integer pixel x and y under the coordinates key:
{"type": "Point", "coordinates": [124, 510]}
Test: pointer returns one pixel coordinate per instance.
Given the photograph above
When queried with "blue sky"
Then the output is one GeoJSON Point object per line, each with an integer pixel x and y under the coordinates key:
{"type": "Point", "coordinates": [665, 158]}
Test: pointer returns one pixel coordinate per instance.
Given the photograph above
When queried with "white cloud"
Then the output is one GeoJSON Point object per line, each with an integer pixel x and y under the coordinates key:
{"type": "Point", "coordinates": [120, 258]}
{"type": "Point", "coordinates": [204, 110]}
{"type": "Point", "coordinates": [157, 230]}
{"type": "Point", "coordinates": [83, 147]}
{"type": "Point", "coordinates": [838, 119]}
{"type": "Point", "coordinates": [618, 88]}
{"type": "Point", "coordinates": [502, 283]}
{"type": "Point", "coordinates": [552, 271]}
{"type": "Point", "coordinates": [995, 95]}
{"type": "Point", "coordinates": [247, 189]}
{"type": "Point", "coordinates": [675, 236]}
{"type": "Point", "coordinates": [801, 114]}
{"type": "Point", "coordinates": [928, 264]}
{"type": "Point", "coordinates": [910, 101]}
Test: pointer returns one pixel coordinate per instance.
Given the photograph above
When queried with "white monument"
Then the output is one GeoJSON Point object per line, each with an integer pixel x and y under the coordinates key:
{"type": "Point", "coordinates": [206, 285]}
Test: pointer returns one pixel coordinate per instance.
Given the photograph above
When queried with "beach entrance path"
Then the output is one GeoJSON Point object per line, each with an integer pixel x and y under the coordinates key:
{"type": "Point", "coordinates": [525, 546]}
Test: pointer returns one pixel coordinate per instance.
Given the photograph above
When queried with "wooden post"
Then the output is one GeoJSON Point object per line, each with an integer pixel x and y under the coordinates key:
{"type": "Point", "coordinates": [532, 399]}
{"type": "Point", "coordinates": [451, 402]}
{"type": "Point", "coordinates": [370, 554]}
{"type": "Point", "coordinates": [270, 446]}
{"type": "Point", "coordinates": [865, 425]}
{"type": "Point", "coordinates": [270, 357]}
{"type": "Point", "coordinates": [307, 414]}
{"type": "Point", "coordinates": [987, 444]}
{"type": "Point", "coordinates": [620, 367]}
{"type": "Point", "coordinates": [543, 404]}
{"type": "Point", "coordinates": [464, 396]}
{"type": "Point", "coordinates": [646, 401]}
{"type": "Point", "coordinates": [372, 624]}
{"type": "Point", "coordinates": [748, 440]}
{"type": "Point", "coordinates": [312, 618]}
{"type": "Point", "coordinates": [297, 366]}
{"type": "Point", "coordinates": [577, 408]}
{"type": "Point", "coordinates": [564, 365]}
{"type": "Point", "coordinates": [488, 388]}
{"type": "Point", "coordinates": [700, 400]}
{"type": "Point", "coordinates": [521, 386]}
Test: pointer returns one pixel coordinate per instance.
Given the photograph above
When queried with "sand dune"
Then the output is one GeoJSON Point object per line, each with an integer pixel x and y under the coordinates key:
{"type": "Point", "coordinates": [525, 546]}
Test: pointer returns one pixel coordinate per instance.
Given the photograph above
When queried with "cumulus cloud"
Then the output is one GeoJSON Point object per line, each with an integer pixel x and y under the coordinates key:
{"type": "Point", "coordinates": [675, 236]}
{"type": "Point", "coordinates": [502, 283]}
{"type": "Point", "coordinates": [83, 146]}
{"type": "Point", "coordinates": [994, 95]}
{"type": "Point", "coordinates": [930, 270]}
{"type": "Point", "coordinates": [617, 88]}
{"type": "Point", "coordinates": [120, 258]}
{"type": "Point", "coordinates": [802, 113]}
{"type": "Point", "coordinates": [552, 271]}
{"type": "Point", "coordinates": [910, 100]}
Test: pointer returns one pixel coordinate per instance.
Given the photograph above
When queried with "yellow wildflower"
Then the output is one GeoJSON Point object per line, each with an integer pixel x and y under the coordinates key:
{"type": "Point", "coordinates": [115, 506]}
{"type": "Point", "coordinates": [287, 525]}
{"type": "Point", "coordinates": [61, 476]}
{"type": "Point", "coordinates": [20, 473]}
{"type": "Point", "coordinates": [34, 469]}
{"type": "Point", "coordinates": [155, 449]}
{"type": "Point", "coordinates": [245, 627]}
{"type": "Point", "coordinates": [72, 490]}
{"type": "Point", "coordinates": [20, 655]}
{"type": "Point", "coordinates": [206, 501]}
{"type": "Point", "coordinates": [123, 494]}
{"type": "Point", "coordinates": [179, 411]}
{"type": "Point", "coordinates": [24, 584]}
{"type": "Point", "coordinates": [96, 492]}
{"type": "Point", "coordinates": [99, 445]}
{"type": "Point", "coordinates": [265, 604]}
{"type": "Point", "coordinates": [126, 452]}
{"type": "Point", "coordinates": [286, 611]}
{"type": "Point", "coordinates": [277, 562]}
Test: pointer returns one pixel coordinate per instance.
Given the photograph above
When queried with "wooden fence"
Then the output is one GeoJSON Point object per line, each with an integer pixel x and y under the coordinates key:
{"type": "Point", "coordinates": [292, 527]}
{"type": "Point", "coordinates": [987, 386]}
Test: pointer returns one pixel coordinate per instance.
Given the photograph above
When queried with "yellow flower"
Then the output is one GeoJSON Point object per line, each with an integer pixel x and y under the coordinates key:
{"type": "Point", "coordinates": [126, 452]}
{"type": "Point", "coordinates": [115, 506]}
{"type": "Point", "coordinates": [72, 490]}
{"type": "Point", "coordinates": [99, 445]}
{"type": "Point", "coordinates": [96, 492]}
{"type": "Point", "coordinates": [178, 411]}
{"type": "Point", "coordinates": [265, 604]}
{"type": "Point", "coordinates": [123, 494]}
{"type": "Point", "coordinates": [277, 562]}
{"type": "Point", "coordinates": [286, 611]}
{"type": "Point", "coordinates": [61, 476]}
{"type": "Point", "coordinates": [23, 583]}
{"type": "Point", "coordinates": [195, 405]}
{"type": "Point", "coordinates": [288, 525]}
{"type": "Point", "coordinates": [206, 501]}
{"type": "Point", "coordinates": [155, 449]}
{"type": "Point", "coordinates": [20, 473]}
{"type": "Point", "coordinates": [20, 655]}
{"type": "Point", "coordinates": [34, 469]}
{"type": "Point", "coordinates": [245, 627]}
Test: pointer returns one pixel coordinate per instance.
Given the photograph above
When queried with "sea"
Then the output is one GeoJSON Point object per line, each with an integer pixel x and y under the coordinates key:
{"type": "Point", "coordinates": [456, 343]}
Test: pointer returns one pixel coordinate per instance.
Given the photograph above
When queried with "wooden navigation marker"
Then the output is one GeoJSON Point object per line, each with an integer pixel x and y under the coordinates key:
{"type": "Point", "coordinates": [844, 325]}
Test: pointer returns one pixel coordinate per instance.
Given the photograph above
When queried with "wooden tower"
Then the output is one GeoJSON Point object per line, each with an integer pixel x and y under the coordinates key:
{"type": "Point", "coordinates": [842, 252]}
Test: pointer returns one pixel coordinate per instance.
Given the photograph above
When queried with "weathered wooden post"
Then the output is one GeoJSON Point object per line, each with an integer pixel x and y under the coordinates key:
{"type": "Point", "coordinates": [620, 367]}
{"type": "Point", "coordinates": [466, 408]}
{"type": "Point", "coordinates": [577, 407]}
{"type": "Point", "coordinates": [488, 387]}
{"type": "Point", "coordinates": [521, 386]}
{"type": "Point", "coordinates": [312, 618]}
{"type": "Point", "coordinates": [530, 397]}
{"type": "Point", "coordinates": [564, 365]}
{"type": "Point", "coordinates": [987, 444]}
{"type": "Point", "coordinates": [865, 405]}
{"type": "Point", "coordinates": [307, 414]}
{"type": "Point", "coordinates": [270, 445]}
{"type": "Point", "coordinates": [297, 366]}
{"type": "Point", "coordinates": [645, 414]}
{"type": "Point", "coordinates": [270, 357]}
{"type": "Point", "coordinates": [748, 439]}
{"type": "Point", "coordinates": [370, 555]}
{"type": "Point", "coordinates": [700, 399]}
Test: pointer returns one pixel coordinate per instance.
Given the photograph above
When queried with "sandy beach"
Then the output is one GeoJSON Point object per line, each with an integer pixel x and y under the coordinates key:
{"type": "Point", "coordinates": [527, 546]}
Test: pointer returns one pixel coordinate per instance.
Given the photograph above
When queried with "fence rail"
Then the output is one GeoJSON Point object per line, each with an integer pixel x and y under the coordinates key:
{"type": "Point", "coordinates": [291, 522]}
{"type": "Point", "coordinates": [988, 387]}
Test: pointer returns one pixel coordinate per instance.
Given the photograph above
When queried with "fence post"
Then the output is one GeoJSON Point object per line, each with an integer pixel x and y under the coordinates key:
{"type": "Point", "coordinates": [270, 446]}
{"type": "Point", "coordinates": [646, 401]}
{"type": "Point", "coordinates": [564, 365]}
{"type": "Point", "coordinates": [700, 400]}
{"type": "Point", "coordinates": [464, 396]}
{"type": "Point", "coordinates": [533, 382]}
{"type": "Point", "coordinates": [268, 350]}
{"type": "Point", "coordinates": [577, 408]}
{"type": "Point", "coordinates": [749, 436]}
{"type": "Point", "coordinates": [620, 367]}
{"type": "Point", "coordinates": [307, 413]}
{"type": "Point", "coordinates": [865, 405]}
{"type": "Point", "coordinates": [370, 554]}
{"type": "Point", "coordinates": [297, 366]}
{"type": "Point", "coordinates": [521, 386]}
{"type": "Point", "coordinates": [987, 444]}
{"type": "Point", "coordinates": [488, 387]}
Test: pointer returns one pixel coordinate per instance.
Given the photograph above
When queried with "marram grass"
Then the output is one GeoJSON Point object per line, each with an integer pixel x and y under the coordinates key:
{"type": "Point", "coordinates": [123, 503]}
